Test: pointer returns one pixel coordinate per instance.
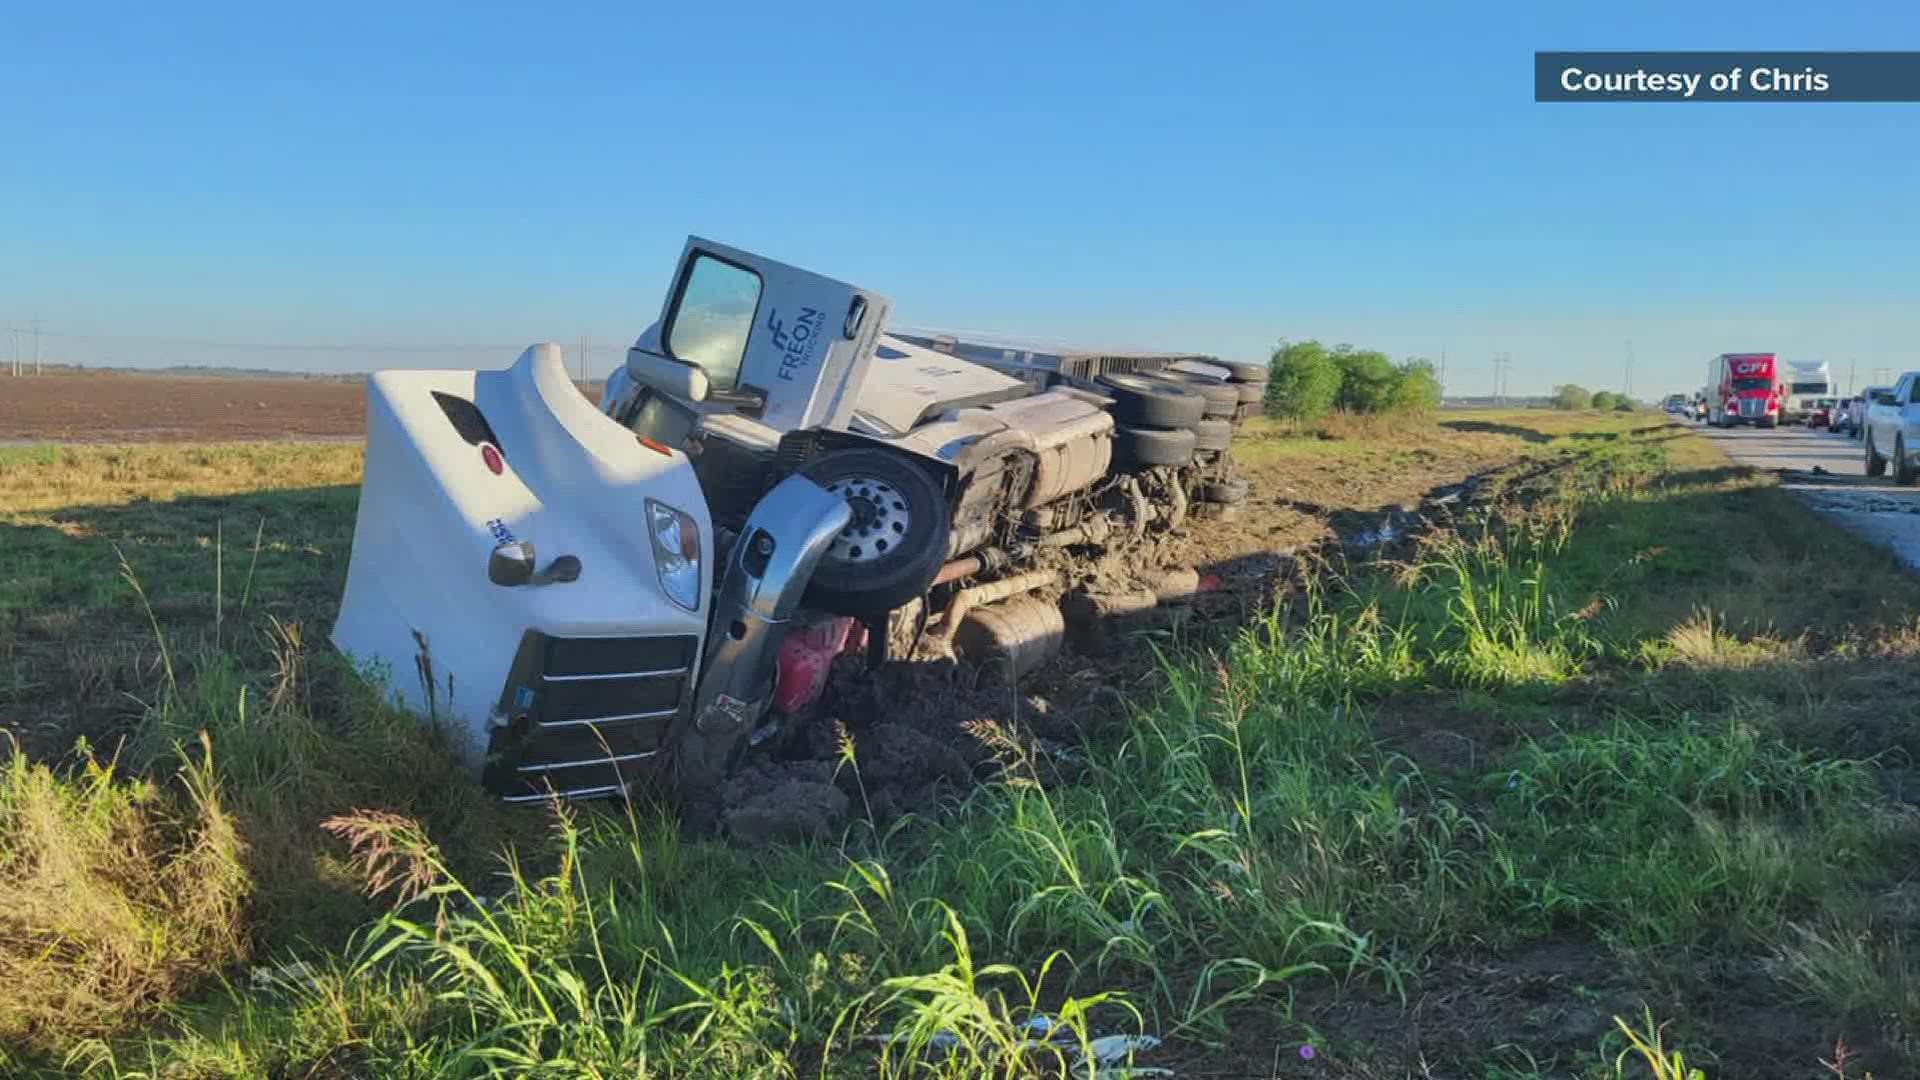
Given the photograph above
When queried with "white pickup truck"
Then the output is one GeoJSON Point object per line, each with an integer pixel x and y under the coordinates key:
{"type": "Point", "coordinates": [1893, 429]}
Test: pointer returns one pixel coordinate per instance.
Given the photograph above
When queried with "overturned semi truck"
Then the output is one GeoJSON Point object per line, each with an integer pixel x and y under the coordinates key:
{"type": "Point", "coordinates": [590, 598]}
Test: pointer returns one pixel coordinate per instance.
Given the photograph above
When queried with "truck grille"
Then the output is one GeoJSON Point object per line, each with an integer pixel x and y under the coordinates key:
{"type": "Point", "coordinates": [585, 713]}
{"type": "Point", "coordinates": [1752, 408]}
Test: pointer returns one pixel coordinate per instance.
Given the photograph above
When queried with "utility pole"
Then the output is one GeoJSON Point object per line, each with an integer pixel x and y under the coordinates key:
{"type": "Point", "coordinates": [1853, 368]}
{"type": "Point", "coordinates": [36, 343]}
{"type": "Point", "coordinates": [1443, 374]}
{"type": "Point", "coordinates": [13, 333]}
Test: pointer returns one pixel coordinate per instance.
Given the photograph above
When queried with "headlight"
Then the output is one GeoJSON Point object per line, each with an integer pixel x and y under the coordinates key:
{"type": "Point", "coordinates": [676, 553]}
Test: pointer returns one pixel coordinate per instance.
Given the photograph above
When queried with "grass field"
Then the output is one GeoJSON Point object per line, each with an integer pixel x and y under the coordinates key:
{"type": "Point", "coordinates": [1590, 771]}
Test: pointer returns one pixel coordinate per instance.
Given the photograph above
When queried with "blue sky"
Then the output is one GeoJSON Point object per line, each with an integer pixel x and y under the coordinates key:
{"type": "Point", "coordinates": [384, 178]}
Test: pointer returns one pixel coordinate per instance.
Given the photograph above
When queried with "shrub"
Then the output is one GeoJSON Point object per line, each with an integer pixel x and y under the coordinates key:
{"type": "Point", "coordinates": [1416, 388]}
{"type": "Point", "coordinates": [1367, 379]}
{"type": "Point", "coordinates": [1309, 381]}
{"type": "Point", "coordinates": [1571, 398]}
{"type": "Point", "coordinates": [1305, 382]}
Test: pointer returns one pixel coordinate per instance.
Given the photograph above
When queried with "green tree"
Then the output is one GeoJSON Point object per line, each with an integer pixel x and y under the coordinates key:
{"type": "Point", "coordinates": [1367, 379]}
{"type": "Point", "coordinates": [1570, 398]}
{"type": "Point", "coordinates": [1305, 382]}
{"type": "Point", "coordinates": [1605, 399]}
{"type": "Point", "coordinates": [1623, 403]}
{"type": "Point", "coordinates": [1416, 388]}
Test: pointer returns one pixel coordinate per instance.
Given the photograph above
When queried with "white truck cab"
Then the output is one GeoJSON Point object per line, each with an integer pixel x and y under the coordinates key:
{"type": "Point", "coordinates": [586, 595]}
{"type": "Point", "coordinates": [1893, 429]}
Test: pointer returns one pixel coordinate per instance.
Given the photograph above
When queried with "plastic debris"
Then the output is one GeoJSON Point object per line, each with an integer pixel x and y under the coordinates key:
{"type": "Point", "coordinates": [1112, 1049]}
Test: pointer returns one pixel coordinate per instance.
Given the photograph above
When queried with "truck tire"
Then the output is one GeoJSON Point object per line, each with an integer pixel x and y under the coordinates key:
{"type": "Point", "coordinates": [1211, 434]}
{"type": "Point", "coordinates": [1252, 393]}
{"type": "Point", "coordinates": [1222, 398]}
{"type": "Point", "coordinates": [1243, 373]}
{"type": "Point", "coordinates": [1903, 471]}
{"type": "Point", "coordinates": [1225, 492]}
{"type": "Point", "coordinates": [1146, 446]}
{"type": "Point", "coordinates": [1875, 464]}
{"type": "Point", "coordinates": [1149, 403]}
{"type": "Point", "coordinates": [896, 542]}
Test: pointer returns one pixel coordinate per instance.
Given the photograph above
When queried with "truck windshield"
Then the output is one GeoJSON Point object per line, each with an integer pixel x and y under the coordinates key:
{"type": "Point", "coordinates": [1809, 388]}
{"type": "Point", "coordinates": [712, 318]}
{"type": "Point", "coordinates": [1752, 384]}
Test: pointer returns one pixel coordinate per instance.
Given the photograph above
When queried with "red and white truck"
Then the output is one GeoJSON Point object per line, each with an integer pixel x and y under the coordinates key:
{"type": "Point", "coordinates": [1744, 388]}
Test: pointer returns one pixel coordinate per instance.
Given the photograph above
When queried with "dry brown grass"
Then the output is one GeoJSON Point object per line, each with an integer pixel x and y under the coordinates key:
{"type": "Point", "coordinates": [116, 894]}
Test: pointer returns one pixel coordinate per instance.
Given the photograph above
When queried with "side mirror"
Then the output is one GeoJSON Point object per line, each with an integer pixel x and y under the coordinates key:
{"type": "Point", "coordinates": [674, 378]}
{"type": "Point", "coordinates": [511, 563]}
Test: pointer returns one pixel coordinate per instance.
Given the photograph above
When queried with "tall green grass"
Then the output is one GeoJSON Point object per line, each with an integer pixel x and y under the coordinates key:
{"type": "Point", "coordinates": [1247, 844]}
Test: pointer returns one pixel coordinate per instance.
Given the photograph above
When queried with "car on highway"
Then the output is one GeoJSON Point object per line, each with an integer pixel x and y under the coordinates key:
{"type": "Point", "coordinates": [1845, 418]}
{"type": "Point", "coordinates": [1819, 411]}
{"type": "Point", "coordinates": [1893, 429]}
{"type": "Point", "coordinates": [1866, 402]}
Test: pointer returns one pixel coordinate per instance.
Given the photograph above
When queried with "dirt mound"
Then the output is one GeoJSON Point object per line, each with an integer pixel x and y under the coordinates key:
{"type": "Point", "coordinates": [880, 745]}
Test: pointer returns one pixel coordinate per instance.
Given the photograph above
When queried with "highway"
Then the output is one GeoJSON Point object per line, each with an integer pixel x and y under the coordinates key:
{"type": "Point", "coordinates": [1828, 473]}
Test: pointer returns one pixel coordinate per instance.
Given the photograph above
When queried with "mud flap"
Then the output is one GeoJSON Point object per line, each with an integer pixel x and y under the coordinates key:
{"type": "Point", "coordinates": [767, 572]}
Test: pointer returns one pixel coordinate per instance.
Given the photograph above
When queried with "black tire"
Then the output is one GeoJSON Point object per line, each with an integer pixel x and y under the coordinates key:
{"type": "Point", "coordinates": [1252, 393]}
{"type": "Point", "coordinates": [1222, 398]}
{"type": "Point", "coordinates": [1243, 373]}
{"type": "Point", "coordinates": [1225, 492]}
{"type": "Point", "coordinates": [1146, 446]}
{"type": "Point", "coordinates": [1213, 434]}
{"type": "Point", "coordinates": [896, 542]}
{"type": "Point", "coordinates": [1903, 471]}
{"type": "Point", "coordinates": [1151, 403]}
{"type": "Point", "coordinates": [1875, 464]}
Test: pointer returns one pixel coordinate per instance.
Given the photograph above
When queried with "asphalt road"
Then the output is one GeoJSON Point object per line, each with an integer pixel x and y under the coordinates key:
{"type": "Point", "coordinates": [1827, 471]}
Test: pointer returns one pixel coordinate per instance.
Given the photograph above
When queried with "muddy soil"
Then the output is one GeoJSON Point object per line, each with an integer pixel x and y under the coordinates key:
{"type": "Point", "coordinates": [899, 741]}
{"type": "Point", "coordinates": [134, 407]}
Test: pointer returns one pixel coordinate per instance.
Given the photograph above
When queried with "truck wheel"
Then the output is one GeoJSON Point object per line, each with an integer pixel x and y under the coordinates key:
{"type": "Point", "coordinates": [1226, 492]}
{"type": "Point", "coordinates": [1212, 434]}
{"type": "Point", "coordinates": [1903, 472]}
{"type": "Point", "coordinates": [1875, 464]}
{"type": "Point", "coordinates": [1145, 446]}
{"type": "Point", "coordinates": [1243, 373]}
{"type": "Point", "coordinates": [1150, 403]}
{"type": "Point", "coordinates": [1222, 398]}
{"type": "Point", "coordinates": [896, 542]}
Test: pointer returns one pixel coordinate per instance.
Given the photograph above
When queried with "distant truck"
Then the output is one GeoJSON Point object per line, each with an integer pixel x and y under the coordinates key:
{"type": "Point", "coordinates": [1744, 388]}
{"type": "Point", "coordinates": [1807, 382]}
